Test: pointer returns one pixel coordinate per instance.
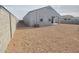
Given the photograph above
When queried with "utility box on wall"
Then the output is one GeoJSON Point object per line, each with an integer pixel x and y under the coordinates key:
{"type": "Point", "coordinates": [7, 27]}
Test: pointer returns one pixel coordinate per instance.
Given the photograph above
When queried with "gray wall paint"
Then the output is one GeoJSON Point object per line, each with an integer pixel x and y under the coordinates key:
{"type": "Point", "coordinates": [44, 13]}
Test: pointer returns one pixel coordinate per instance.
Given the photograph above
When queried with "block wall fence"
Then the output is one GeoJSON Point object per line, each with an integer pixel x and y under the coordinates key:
{"type": "Point", "coordinates": [7, 28]}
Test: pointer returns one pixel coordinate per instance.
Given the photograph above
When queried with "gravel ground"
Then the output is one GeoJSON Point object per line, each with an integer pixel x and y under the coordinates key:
{"type": "Point", "coordinates": [57, 38]}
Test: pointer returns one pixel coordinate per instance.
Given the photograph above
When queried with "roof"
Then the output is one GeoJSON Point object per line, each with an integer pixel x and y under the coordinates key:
{"type": "Point", "coordinates": [6, 10]}
{"type": "Point", "coordinates": [49, 7]}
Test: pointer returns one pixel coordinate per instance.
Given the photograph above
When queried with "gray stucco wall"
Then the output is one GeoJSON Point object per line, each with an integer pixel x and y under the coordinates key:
{"type": "Point", "coordinates": [44, 13]}
{"type": "Point", "coordinates": [7, 28]}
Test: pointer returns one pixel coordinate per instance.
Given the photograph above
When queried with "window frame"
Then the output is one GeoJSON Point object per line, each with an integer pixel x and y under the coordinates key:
{"type": "Point", "coordinates": [41, 20]}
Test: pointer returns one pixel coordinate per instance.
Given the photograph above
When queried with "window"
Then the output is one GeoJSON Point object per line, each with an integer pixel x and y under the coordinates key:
{"type": "Point", "coordinates": [49, 19]}
{"type": "Point", "coordinates": [41, 20]}
{"type": "Point", "coordinates": [69, 19]}
{"type": "Point", "coordinates": [53, 16]}
{"type": "Point", "coordinates": [65, 19]}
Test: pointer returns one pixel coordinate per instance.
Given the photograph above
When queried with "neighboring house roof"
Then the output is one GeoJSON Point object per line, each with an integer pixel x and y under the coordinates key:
{"type": "Point", "coordinates": [68, 16]}
{"type": "Point", "coordinates": [6, 10]}
{"type": "Point", "coordinates": [49, 7]}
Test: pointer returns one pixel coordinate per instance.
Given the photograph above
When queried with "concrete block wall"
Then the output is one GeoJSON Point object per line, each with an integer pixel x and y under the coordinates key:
{"type": "Point", "coordinates": [7, 28]}
{"type": "Point", "coordinates": [13, 24]}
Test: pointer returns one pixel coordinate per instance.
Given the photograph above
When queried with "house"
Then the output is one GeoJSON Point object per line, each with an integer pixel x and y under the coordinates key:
{"type": "Point", "coordinates": [69, 19]}
{"type": "Point", "coordinates": [41, 17]}
{"type": "Point", "coordinates": [7, 27]}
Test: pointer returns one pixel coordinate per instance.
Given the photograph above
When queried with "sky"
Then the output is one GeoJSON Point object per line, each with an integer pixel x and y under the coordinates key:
{"type": "Point", "coordinates": [21, 10]}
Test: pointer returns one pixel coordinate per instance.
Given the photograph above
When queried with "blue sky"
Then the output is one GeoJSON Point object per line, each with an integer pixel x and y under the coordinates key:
{"type": "Point", "coordinates": [20, 10]}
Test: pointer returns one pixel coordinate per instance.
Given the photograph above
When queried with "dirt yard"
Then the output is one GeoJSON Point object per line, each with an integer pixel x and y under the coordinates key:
{"type": "Point", "coordinates": [59, 38]}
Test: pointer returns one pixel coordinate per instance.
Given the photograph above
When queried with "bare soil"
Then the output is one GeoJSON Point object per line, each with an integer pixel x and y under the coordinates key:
{"type": "Point", "coordinates": [57, 38]}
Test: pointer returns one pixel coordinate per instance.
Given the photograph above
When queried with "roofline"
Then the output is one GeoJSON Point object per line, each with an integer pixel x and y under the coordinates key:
{"type": "Point", "coordinates": [41, 8]}
{"type": "Point", "coordinates": [7, 10]}
{"type": "Point", "coordinates": [38, 9]}
{"type": "Point", "coordinates": [55, 10]}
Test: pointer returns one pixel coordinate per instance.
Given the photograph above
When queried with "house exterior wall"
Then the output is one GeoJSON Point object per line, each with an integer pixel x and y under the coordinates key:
{"type": "Point", "coordinates": [42, 14]}
{"type": "Point", "coordinates": [71, 21]}
{"type": "Point", "coordinates": [5, 30]}
{"type": "Point", "coordinates": [45, 14]}
{"type": "Point", "coordinates": [27, 19]}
